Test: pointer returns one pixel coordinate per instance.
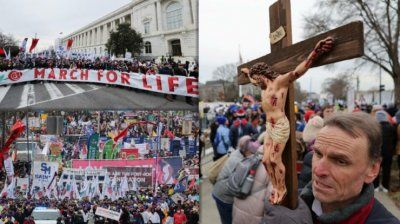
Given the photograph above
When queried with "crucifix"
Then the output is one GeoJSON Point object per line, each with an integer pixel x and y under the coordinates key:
{"type": "Point", "coordinates": [285, 58]}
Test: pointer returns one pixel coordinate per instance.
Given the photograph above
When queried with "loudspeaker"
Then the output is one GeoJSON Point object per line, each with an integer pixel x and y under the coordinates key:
{"type": "Point", "coordinates": [55, 125]}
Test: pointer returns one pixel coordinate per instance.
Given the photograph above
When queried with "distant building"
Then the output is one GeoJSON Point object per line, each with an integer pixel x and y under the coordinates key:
{"type": "Point", "coordinates": [372, 97]}
{"type": "Point", "coordinates": [168, 28]}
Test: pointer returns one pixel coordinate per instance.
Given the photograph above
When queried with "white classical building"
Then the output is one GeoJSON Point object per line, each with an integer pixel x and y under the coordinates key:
{"type": "Point", "coordinates": [168, 28]}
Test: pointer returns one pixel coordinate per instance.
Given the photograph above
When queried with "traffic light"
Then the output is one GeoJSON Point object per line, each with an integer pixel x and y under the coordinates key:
{"type": "Point", "coordinates": [381, 88]}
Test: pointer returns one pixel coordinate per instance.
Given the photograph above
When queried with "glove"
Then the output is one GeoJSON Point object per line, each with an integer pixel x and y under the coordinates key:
{"type": "Point", "coordinates": [280, 214]}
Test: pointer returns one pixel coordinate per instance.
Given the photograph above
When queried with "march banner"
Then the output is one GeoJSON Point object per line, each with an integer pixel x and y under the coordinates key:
{"type": "Point", "coordinates": [97, 164]}
{"type": "Point", "coordinates": [141, 174]}
{"type": "Point", "coordinates": [177, 85]}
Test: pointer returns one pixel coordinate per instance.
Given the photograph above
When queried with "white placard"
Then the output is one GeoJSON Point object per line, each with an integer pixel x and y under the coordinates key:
{"type": "Point", "coordinates": [8, 165]}
{"type": "Point", "coordinates": [107, 213]}
{"type": "Point", "coordinates": [43, 173]}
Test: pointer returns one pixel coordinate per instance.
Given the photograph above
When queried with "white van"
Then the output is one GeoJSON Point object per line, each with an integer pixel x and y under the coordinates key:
{"type": "Point", "coordinates": [44, 215]}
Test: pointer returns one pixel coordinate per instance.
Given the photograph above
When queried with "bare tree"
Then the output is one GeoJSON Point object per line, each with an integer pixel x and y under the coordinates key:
{"type": "Point", "coordinates": [7, 41]}
{"type": "Point", "coordinates": [299, 95]}
{"type": "Point", "coordinates": [381, 26]}
{"type": "Point", "coordinates": [227, 74]}
{"type": "Point", "coordinates": [337, 86]}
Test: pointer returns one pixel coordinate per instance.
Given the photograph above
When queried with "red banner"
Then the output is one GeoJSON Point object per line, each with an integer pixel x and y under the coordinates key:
{"type": "Point", "coordinates": [33, 45]}
{"type": "Point", "coordinates": [111, 163]}
{"type": "Point", "coordinates": [69, 44]}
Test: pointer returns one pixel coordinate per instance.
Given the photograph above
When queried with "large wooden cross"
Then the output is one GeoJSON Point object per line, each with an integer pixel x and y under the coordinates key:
{"type": "Point", "coordinates": [285, 57]}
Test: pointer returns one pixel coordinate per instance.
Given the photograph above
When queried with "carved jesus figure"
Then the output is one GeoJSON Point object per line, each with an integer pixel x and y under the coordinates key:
{"type": "Point", "coordinates": [274, 90]}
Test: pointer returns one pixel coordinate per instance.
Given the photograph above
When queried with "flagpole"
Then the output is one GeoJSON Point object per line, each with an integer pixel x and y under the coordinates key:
{"type": "Point", "coordinates": [28, 146]}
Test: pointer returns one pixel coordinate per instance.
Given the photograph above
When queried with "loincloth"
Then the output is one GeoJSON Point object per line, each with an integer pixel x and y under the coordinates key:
{"type": "Point", "coordinates": [279, 132]}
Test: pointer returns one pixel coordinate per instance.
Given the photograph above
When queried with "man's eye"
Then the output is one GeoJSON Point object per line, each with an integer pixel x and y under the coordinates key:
{"type": "Point", "coordinates": [318, 154]}
{"type": "Point", "coordinates": [341, 162]}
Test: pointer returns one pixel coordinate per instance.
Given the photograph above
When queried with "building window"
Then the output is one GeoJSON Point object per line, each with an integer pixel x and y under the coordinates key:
{"type": "Point", "coordinates": [146, 25]}
{"type": "Point", "coordinates": [176, 48]}
{"type": "Point", "coordinates": [147, 47]}
{"type": "Point", "coordinates": [174, 16]}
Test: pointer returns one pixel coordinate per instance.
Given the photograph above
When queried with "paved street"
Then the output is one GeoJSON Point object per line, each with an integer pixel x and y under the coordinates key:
{"type": "Point", "coordinates": [209, 213]}
{"type": "Point", "coordinates": [50, 95]}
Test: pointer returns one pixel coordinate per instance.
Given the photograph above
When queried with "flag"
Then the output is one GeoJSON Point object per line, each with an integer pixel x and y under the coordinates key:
{"type": "Point", "coordinates": [16, 131]}
{"type": "Point", "coordinates": [124, 186]}
{"type": "Point", "coordinates": [96, 187]}
{"type": "Point", "coordinates": [114, 188]}
{"type": "Point", "coordinates": [51, 186]}
{"type": "Point", "coordinates": [4, 191]}
{"type": "Point", "coordinates": [46, 148]}
{"type": "Point", "coordinates": [33, 45]}
{"type": "Point", "coordinates": [135, 185]}
{"type": "Point", "coordinates": [69, 44]}
{"type": "Point", "coordinates": [11, 188]}
{"type": "Point", "coordinates": [192, 183]}
{"type": "Point", "coordinates": [8, 56]}
{"type": "Point", "coordinates": [106, 185]}
{"type": "Point", "coordinates": [240, 57]}
{"type": "Point", "coordinates": [121, 134]}
{"type": "Point", "coordinates": [22, 48]}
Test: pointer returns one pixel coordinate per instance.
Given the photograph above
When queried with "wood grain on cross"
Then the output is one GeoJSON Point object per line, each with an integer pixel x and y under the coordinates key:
{"type": "Point", "coordinates": [285, 57]}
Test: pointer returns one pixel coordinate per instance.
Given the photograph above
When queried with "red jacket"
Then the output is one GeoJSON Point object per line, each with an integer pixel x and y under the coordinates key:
{"type": "Point", "coordinates": [180, 218]}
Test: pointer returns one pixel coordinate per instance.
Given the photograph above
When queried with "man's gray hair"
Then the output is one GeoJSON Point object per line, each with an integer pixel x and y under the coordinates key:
{"type": "Point", "coordinates": [360, 124]}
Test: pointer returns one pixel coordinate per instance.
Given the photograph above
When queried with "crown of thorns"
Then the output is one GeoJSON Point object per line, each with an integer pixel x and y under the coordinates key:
{"type": "Point", "coordinates": [263, 69]}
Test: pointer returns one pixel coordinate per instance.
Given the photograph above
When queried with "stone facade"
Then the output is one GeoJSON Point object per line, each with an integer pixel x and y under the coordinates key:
{"type": "Point", "coordinates": [168, 27]}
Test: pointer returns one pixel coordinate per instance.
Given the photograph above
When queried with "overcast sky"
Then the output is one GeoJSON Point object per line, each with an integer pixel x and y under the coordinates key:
{"type": "Point", "coordinates": [226, 24]}
{"type": "Point", "coordinates": [48, 18]}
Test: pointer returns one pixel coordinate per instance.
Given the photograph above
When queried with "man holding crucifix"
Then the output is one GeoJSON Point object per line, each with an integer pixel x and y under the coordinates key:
{"type": "Point", "coordinates": [274, 90]}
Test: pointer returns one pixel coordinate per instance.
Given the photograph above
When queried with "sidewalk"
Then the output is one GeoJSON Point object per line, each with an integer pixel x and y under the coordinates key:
{"type": "Point", "coordinates": [208, 209]}
{"type": "Point", "coordinates": [209, 213]}
{"type": "Point", "coordinates": [388, 203]}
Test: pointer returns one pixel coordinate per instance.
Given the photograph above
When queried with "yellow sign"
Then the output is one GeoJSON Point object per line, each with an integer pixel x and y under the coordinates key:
{"type": "Point", "coordinates": [277, 35]}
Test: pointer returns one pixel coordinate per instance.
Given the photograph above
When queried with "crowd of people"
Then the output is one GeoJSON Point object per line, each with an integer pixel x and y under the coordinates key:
{"type": "Point", "coordinates": [167, 66]}
{"type": "Point", "coordinates": [146, 205]}
{"type": "Point", "coordinates": [79, 124]}
{"type": "Point", "coordinates": [142, 207]}
{"type": "Point", "coordinates": [232, 127]}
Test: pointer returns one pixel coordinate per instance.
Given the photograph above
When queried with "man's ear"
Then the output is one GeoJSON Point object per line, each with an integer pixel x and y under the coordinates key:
{"type": "Point", "coordinates": [373, 171]}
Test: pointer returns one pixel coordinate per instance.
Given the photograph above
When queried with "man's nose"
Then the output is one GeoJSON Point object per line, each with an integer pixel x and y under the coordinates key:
{"type": "Point", "coordinates": [321, 167]}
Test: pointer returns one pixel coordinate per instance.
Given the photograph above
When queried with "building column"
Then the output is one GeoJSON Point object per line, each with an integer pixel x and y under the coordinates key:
{"type": "Point", "coordinates": [186, 13]}
{"type": "Point", "coordinates": [159, 17]}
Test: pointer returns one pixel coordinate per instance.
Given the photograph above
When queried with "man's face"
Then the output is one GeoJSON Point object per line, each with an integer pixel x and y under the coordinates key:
{"type": "Point", "coordinates": [340, 167]}
{"type": "Point", "coordinates": [328, 112]}
{"type": "Point", "coordinates": [256, 79]}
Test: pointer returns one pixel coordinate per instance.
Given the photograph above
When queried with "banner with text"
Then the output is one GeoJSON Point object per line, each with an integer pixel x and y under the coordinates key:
{"type": "Point", "coordinates": [178, 85]}
{"type": "Point", "coordinates": [142, 175]}
{"type": "Point", "coordinates": [43, 173]}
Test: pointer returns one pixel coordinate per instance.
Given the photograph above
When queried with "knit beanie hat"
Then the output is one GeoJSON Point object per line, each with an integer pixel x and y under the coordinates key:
{"type": "Point", "coordinates": [381, 116]}
{"type": "Point", "coordinates": [312, 128]}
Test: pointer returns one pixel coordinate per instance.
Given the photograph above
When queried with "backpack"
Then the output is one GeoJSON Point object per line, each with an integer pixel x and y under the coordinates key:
{"type": "Point", "coordinates": [241, 179]}
{"type": "Point", "coordinates": [216, 168]}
